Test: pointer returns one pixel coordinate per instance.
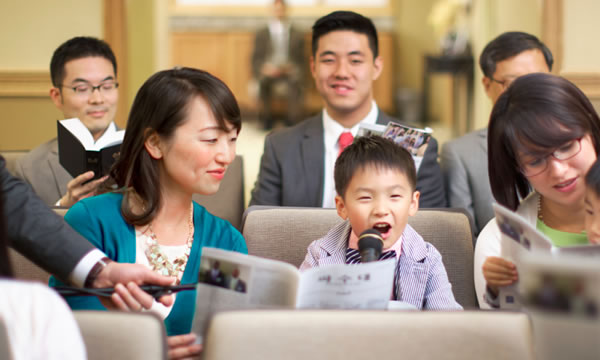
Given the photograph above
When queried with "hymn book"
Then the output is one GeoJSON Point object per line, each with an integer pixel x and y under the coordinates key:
{"type": "Point", "coordinates": [233, 281]}
{"type": "Point", "coordinates": [78, 152]}
{"type": "Point", "coordinates": [519, 240]}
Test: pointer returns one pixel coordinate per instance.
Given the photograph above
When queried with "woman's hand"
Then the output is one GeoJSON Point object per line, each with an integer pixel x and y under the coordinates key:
{"type": "Point", "coordinates": [183, 346]}
{"type": "Point", "coordinates": [499, 272]}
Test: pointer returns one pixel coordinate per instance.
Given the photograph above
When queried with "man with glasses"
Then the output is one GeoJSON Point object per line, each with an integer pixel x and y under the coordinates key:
{"type": "Point", "coordinates": [464, 160]}
{"type": "Point", "coordinates": [84, 80]}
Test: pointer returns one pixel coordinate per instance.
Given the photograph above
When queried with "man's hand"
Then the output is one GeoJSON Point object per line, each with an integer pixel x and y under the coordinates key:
{"type": "Point", "coordinates": [131, 297]}
{"type": "Point", "coordinates": [77, 190]}
{"type": "Point", "coordinates": [270, 70]}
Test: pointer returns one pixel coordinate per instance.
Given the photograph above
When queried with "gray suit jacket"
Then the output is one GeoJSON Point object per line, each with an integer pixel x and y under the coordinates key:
{"type": "Point", "coordinates": [292, 168]}
{"type": "Point", "coordinates": [41, 169]}
{"type": "Point", "coordinates": [465, 167]}
{"type": "Point", "coordinates": [36, 231]}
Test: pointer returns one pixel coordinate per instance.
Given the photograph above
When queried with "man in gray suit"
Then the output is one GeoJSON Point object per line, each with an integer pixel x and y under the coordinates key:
{"type": "Point", "coordinates": [464, 160]}
{"type": "Point", "coordinates": [297, 164]}
{"type": "Point", "coordinates": [278, 62]}
{"type": "Point", "coordinates": [83, 72]}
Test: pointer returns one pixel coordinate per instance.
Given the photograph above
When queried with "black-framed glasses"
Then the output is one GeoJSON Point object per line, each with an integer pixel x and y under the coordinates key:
{"type": "Point", "coordinates": [86, 89]}
{"type": "Point", "coordinates": [537, 166]}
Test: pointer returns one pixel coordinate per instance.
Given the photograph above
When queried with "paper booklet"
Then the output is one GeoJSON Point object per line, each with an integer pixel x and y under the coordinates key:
{"type": "Point", "coordinates": [233, 281]}
{"type": "Point", "coordinates": [78, 153]}
{"type": "Point", "coordinates": [412, 139]}
{"type": "Point", "coordinates": [519, 238]}
{"type": "Point", "coordinates": [562, 297]}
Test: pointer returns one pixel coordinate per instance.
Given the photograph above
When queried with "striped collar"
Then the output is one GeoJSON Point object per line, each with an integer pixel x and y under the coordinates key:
{"type": "Point", "coordinates": [335, 242]}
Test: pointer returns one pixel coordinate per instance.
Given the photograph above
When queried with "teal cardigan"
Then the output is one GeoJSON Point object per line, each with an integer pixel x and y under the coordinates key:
{"type": "Point", "coordinates": [100, 221]}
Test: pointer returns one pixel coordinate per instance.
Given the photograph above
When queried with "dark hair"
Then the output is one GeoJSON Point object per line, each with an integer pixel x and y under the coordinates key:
{"type": "Point", "coordinates": [160, 107]}
{"type": "Point", "coordinates": [372, 151]}
{"type": "Point", "coordinates": [345, 20]}
{"type": "Point", "coordinates": [5, 268]}
{"type": "Point", "coordinates": [536, 114]}
{"type": "Point", "coordinates": [507, 45]}
{"type": "Point", "coordinates": [77, 48]}
{"type": "Point", "coordinates": [592, 178]}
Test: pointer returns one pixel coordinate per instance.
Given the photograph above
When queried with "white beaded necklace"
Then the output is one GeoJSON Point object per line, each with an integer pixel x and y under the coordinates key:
{"type": "Point", "coordinates": [160, 262]}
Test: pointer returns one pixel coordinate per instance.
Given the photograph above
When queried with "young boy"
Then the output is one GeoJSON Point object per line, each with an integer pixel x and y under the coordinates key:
{"type": "Point", "coordinates": [375, 181]}
{"type": "Point", "coordinates": [592, 203]}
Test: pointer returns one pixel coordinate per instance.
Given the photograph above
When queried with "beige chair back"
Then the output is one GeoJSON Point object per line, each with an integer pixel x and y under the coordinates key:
{"type": "Point", "coordinates": [118, 335]}
{"type": "Point", "coordinates": [24, 269]}
{"type": "Point", "coordinates": [11, 157]}
{"type": "Point", "coordinates": [228, 203]}
{"type": "Point", "coordinates": [349, 335]}
{"type": "Point", "coordinates": [284, 233]}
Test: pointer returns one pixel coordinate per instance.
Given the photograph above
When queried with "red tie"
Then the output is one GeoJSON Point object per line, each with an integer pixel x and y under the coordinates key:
{"type": "Point", "coordinates": [345, 139]}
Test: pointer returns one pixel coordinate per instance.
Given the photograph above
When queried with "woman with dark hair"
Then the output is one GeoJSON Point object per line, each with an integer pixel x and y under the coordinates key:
{"type": "Point", "coordinates": [37, 322]}
{"type": "Point", "coordinates": [543, 136]}
{"type": "Point", "coordinates": [180, 139]}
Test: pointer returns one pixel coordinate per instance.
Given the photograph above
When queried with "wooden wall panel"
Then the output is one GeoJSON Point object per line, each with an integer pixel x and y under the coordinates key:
{"type": "Point", "coordinates": [227, 55]}
{"type": "Point", "coordinates": [28, 115]}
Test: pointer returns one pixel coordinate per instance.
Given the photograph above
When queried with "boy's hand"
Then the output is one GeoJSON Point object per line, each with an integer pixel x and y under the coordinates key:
{"type": "Point", "coordinates": [499, 272]}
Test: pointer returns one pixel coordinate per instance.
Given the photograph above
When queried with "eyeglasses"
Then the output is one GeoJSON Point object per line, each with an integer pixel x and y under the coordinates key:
{"type": "Point", "coordinates": [538, 165]}
{"type": "Point", "coordinates": [88, 89]}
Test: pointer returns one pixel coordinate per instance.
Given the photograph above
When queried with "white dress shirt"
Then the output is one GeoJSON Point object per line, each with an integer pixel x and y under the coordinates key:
{"type": "Point", "coordinates": [38, 322]}
{"type": "Point", "coordinates": [331, 133]}
{"type": "Point", "coordinates": [280, 35]}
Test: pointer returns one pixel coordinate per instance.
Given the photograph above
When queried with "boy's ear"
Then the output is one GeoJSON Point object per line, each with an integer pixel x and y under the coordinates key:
{"type": "Point", "coordinates": [153, 145]}
{"type": "Point", "coordinates": [414, 203]}
{"type": "Point", "coordinates": [341, 207]}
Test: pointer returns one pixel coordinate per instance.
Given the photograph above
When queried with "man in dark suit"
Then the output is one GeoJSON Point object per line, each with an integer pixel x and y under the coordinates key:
{"type": "Point", "coordinates": [464, 160]}
{"type": "Point", "coordinates": [297, 164]}
{"type": "Point", "coordinates": [42, 236]}
{"type": "Point", "coordinates": [278, 63]}
{"type": "Point", "coordinates": [215, 276]}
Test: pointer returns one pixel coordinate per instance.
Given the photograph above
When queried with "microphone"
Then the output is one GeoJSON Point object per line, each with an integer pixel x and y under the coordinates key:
{"type": "Point", "coordinates": [154, 290]}
{"type": "Point", "coordinates": [370, 244]}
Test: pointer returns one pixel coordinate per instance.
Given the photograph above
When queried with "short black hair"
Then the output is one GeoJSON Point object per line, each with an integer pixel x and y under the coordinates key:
{"type": "Point", "coordinates": [510, 44]}
{"type": "Point", "coordinates": [372, 151]}
{"type": "Point", "coordinates": [345, 20]}
{"type": "Point", "coordinates": [77, 48]}
{"type": "Point", "coordinates": [592, 178]}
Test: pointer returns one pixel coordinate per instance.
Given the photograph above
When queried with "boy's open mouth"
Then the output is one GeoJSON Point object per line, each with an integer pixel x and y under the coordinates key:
{"type": "Point", "coordinates": [383, 228]}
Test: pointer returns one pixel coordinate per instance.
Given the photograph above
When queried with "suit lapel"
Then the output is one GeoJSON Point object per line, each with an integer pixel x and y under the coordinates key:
{"type": "Point", "coordinates": [313, 158]}
{"type": "Point", "coordinates": [382, 118]}
{"type": "Point", "coordinates": [413, 269]}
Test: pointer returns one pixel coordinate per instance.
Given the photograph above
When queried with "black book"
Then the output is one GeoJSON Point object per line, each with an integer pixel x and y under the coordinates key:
{"type": "Point", "coordinates": [78, 152]}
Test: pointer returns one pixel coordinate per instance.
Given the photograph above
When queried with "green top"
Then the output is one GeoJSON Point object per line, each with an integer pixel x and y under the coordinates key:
{"type": "Point", "coordinates": [562, 238]}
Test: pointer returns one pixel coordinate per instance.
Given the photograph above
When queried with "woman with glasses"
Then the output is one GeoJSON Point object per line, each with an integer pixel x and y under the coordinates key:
{"type": "Point", "coordinates": [543, 136]}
